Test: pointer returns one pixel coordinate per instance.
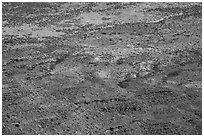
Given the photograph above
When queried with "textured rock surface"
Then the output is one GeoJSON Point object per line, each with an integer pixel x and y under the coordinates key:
{"type": "Point", "coordinates": [102, 68]}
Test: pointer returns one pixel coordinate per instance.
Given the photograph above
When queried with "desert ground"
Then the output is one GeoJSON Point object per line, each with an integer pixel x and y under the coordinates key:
{"type": "Point", "coordinates": [102, 68]}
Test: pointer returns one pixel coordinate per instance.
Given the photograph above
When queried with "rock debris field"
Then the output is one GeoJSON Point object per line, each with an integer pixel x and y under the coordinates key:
{"type": "Point", "coordinates": [101, 68]}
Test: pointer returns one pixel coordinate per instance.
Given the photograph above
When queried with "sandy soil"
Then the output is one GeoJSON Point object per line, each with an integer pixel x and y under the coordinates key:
{"type": "Point", "coordinates": [102, 68]}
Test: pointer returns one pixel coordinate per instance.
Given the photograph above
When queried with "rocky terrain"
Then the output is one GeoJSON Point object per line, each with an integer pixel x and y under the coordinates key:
{"type": "Point", "coordinates": [102, 68]}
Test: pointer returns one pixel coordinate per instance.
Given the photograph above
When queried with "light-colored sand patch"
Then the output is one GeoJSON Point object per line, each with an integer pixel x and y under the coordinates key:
{"type": "Point", "coordinates": [46, 33]}
{"type": "Point", "coordinates": [136, 13]}
{"type": "Point", "coordinates": [17, 31]}
{"type": "Point", "coordinates": [131, 14]}
{"type": "Point", "coordinates": [20, 46]}
{"type": "Point", "coordinates": [68, 24]}
{"type": "Point", "coordinates": [32, 31]}
{"type": "Point", "coordinates": [103, 74]}
{"type": "Point", "coordinates": [94, 18]}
